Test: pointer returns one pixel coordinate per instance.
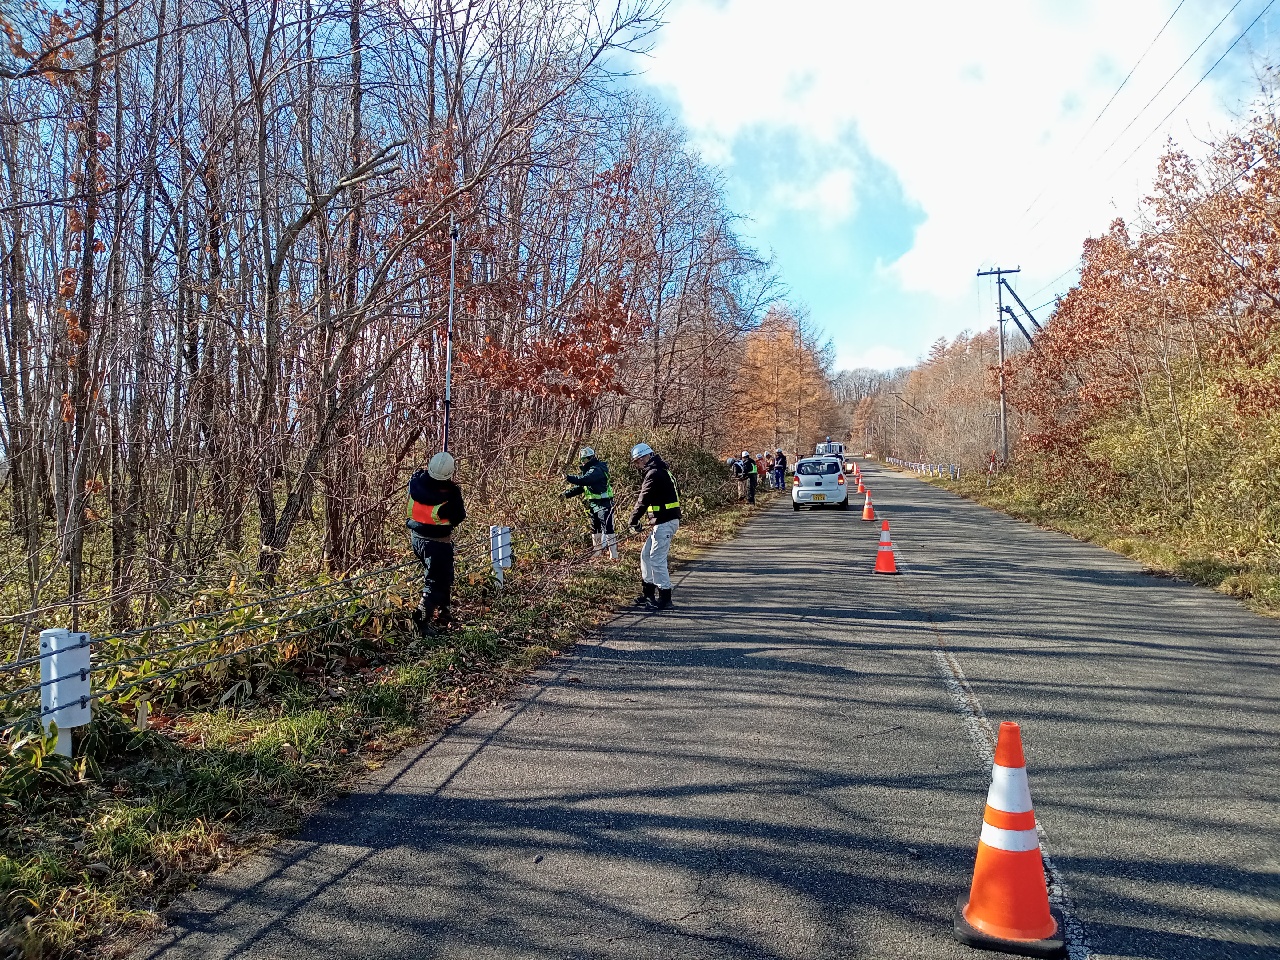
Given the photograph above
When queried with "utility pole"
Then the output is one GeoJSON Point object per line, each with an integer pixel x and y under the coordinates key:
{"type": "Point", "coordinates": [448, 342]}
{"type": "Point", "coordinates": [1004, 421]}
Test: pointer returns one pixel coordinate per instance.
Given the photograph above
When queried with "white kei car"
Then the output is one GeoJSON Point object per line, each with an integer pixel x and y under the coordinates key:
{"type": "Point", "coordinates": [819, 482]}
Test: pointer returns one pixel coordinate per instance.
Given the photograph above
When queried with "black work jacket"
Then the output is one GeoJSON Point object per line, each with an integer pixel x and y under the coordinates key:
{"type": "Point", "coordinates": [430, 492]}
{"type": "Point", "coordinates": [595, 478]}
{"type": "Point", "coordinates": [659, 498]}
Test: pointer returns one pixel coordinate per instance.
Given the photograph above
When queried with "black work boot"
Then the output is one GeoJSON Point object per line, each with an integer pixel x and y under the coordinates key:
{"type": "Point", "coordinates": [648, 596]}
{"type": "Point", "coordinates": [443, 619]}
{"type": "Point", "coordinates": [664, 600]}
{"type": "Point", "coordinates": [422, 619]}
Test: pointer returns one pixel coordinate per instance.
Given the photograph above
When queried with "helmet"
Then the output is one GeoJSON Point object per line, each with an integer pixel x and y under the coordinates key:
{"type": "Point", "coordinates": [585, 454]}
{"type": "Point", "coordinates": [640, 450]}
{"type": "Point", "coordinates": [441, 466]}
{"type": "Point", "coordinates": [746, 453]}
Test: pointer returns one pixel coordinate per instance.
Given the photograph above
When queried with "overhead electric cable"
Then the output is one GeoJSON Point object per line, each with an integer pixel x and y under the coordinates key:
{"type": "Point", "coordinates": [1054, 282]}
{"type": "Point", "coordinates": [1164, 86]}
{"type": "Point", "coordinates": [1166, 117]}
{"type": "Point", "coordinates": [1107, 105]}
{"type": "Point", "coordinates": [1223, 188]}
{"type": "Point", "coordinates": [1094, 163]}
{"type": "Point", "coordinates": [1131, 72]}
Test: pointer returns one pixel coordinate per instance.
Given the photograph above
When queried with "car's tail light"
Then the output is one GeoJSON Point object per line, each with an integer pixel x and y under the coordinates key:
{"type": "Point", "coordinates": [795, 480]}
{"type": "Point", "coordinates": [840, 480]}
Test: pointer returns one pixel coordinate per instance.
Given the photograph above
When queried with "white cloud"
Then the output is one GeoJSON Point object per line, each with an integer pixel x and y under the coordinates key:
{"type": "Point", "coordinates": [977, 112]}
{"type": "Point", "coordinates": [831, 197]}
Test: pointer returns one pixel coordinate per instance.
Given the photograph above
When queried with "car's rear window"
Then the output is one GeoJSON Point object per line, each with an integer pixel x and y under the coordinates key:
{"type": "Point", "coordinates": [816, 468]}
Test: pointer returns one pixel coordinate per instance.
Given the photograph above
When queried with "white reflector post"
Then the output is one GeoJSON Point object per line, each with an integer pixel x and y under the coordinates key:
{"type": "Point", "coordinates": [64, 673]}
{"type": "Point", "coordinates": [495, 552]}
{"type": "Point", "coordinates": [504, 547]}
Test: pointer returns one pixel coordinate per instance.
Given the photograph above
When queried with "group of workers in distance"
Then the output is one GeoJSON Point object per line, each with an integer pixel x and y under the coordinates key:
{"type": "Point", "coordinates": [750, 472]}
{"type": "Point", "coordinates": [436, 507]}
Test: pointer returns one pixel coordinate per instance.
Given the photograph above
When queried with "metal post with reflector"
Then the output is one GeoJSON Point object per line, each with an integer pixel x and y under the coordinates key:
{"type": "Point", "coordinates": [65, 683]}
{"type": "Point", "coordinates": [500, 550]}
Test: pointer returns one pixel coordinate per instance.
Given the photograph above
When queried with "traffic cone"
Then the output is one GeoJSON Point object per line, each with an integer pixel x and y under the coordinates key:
{"type": "Point", "coordinates": [884, 556]}
{"type": "Point", "coordinates": [1007, 907]}
{"type": "Point", "coordinates": [867, 512]}
{"type": "Point", "coordinates": [861, 488]}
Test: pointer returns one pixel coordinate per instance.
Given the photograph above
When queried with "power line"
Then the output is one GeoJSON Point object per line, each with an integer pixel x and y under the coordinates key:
{"type": "Point", "coordinates": [1243, 34]}
{"type": "Point", "coordinates": [1176, 224]}
{"type": "Point", "coordinates": [1053, 282]}
{"type": "Point", "coordinates": [1107, 105]}
{"type": "Point", "coordinates": [1131, 72]}
{"type": "Point", "coordinates": [1136, 117]}
{"type": "Point", "coordinates": [1172, 77]}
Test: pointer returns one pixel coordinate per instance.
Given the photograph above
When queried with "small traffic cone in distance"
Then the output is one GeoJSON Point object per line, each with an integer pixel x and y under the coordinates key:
{"type": "Point", "coordinates": [1007, 907]}
{"type": "Point", "coordinates": [885, 562]}
{"type": "Point", "coordinates": [867, 512]}
{"type": "Point", "coordinates": [861, 488]}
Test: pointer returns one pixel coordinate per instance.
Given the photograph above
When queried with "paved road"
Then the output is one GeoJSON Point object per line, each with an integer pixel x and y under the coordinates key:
{"type": "Point", "coordinates": [793, 764]}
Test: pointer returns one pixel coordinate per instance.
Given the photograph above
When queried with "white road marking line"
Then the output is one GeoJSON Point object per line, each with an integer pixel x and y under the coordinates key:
{"type": "Point", "coordinates": [983, 738]}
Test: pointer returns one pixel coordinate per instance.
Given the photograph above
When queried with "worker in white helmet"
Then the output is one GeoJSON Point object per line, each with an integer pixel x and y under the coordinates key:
{"type": "Point", "coordinates": [596, 490]}
{"type": "Point", "coordinates": [435, 508]}
{"type": "Point", "coordinates": [659, 504]}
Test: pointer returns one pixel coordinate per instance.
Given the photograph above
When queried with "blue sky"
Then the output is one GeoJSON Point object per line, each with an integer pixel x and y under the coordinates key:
{"type": "Point", "coordinates": [883, 155]}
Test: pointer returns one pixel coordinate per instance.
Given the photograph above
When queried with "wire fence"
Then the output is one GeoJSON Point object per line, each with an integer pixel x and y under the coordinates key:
{"type": "Point", "coordinates": [124, 671]}
{"type": "Point", "coordinates": [136, 663]}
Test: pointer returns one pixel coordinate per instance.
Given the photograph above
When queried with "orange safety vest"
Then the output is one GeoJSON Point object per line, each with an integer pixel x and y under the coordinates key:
{"type": "Point", "coordinates": [424, 513]}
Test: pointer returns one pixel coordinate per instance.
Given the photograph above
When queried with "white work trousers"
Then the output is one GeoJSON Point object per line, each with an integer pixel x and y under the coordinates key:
{"type": "Point", "coordinates": [653, 555]}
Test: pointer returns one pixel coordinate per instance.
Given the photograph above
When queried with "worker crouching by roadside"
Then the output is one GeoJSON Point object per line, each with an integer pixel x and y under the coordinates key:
{"type": "Point", "coordinates": [593, 486]}
{"type": "Point", "coordinates": [435, 508]}
{"type": "Point", "coordinates": [659, 501]}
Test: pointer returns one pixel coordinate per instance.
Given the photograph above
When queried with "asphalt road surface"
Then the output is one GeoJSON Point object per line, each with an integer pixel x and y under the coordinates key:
{"type": "Point", "coordinates": [793, 763]}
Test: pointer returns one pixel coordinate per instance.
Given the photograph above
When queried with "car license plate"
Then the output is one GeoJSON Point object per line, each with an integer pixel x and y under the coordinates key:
{"type": "Point", "coordinates": [819, 496]}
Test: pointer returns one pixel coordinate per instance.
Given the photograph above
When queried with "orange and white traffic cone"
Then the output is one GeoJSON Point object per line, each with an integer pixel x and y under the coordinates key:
{"type": "Point", "coordinates": [861, 488]}
{"type": "Point", "coordinates": [885, 562]}
{"type": "Point", "coordinates": [1007, 907]}
{"type": "Point", "coordinates": [867, 512]}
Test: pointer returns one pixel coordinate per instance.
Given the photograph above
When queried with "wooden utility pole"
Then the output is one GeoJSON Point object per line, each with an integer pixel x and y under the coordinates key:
{"type": "Point", "coordinates": [1004, 422]}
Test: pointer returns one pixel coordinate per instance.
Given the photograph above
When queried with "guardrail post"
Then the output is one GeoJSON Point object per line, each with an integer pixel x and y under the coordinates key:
{"type": "Point", "coordinates": [64, 673]}
{"type": "Point", "coordinates": [500, 551]}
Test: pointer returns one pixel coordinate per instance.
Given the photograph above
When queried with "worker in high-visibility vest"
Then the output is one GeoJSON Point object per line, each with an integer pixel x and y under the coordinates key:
{"type": "Point", "coordinates": [596, 491]}
{"type": "Point", "coordinates": [435, 508]}
{"type": "Point", "coordinates": [659, 503]}
{"type": "Point", "coordinates": [750, 470]}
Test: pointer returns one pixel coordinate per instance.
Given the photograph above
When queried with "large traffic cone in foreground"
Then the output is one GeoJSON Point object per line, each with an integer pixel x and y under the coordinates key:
{"type": "Point", "coordinates": [867, 512]}
{"type": "Point", "coordinates": [884, 556]}
{"type": "Point", "coordinates": [1007, 907]}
